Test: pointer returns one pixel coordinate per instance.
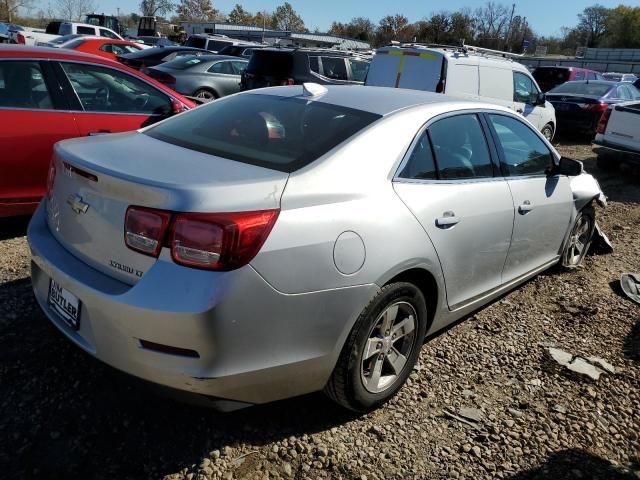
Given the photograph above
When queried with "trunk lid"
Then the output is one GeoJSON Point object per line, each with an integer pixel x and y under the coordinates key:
{"type": "Point", "coordinates": [98, 178]}
{"type": "Point", "coordinates": [571, 103]}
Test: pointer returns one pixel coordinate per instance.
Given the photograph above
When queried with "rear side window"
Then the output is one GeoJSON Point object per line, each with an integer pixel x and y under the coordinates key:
{"type": "Point", "coordinates": [86, 30]}
{"type": "Point", "coordinates": [217, 45]}
{"type": "Point", "coordinates": [196, 42]}
{"type": "Point", "coordinates": [222, 67]}
{"type": "Point", "coordinates": [334, 68]}
{"type": "Point", "coordinates": [421, 165]}
{"type": "Point", "coordinates": [270, 64]}
{"type": "Point", "coordinates": [107, 33]}
{"type": "Point", "coordinates": [524, 153]}
{"type": "Point", "coordinates": [22, 85]}
{"type": "Point", "coordinates": [460, 148]}
{"type": "Point", "coordinates": [359, 69]}
{"type": "Point", "coordinates": [314, 65]}
{"type": "Point", "coordinates": [280, 133]}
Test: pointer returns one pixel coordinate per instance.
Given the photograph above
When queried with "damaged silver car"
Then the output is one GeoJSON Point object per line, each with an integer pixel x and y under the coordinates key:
{"type": "Point", "coordinates": [288, 240]}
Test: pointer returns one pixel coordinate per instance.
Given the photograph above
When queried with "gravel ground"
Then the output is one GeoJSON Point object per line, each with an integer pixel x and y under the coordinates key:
{"type": "Point", "coordinates": [65, 415]}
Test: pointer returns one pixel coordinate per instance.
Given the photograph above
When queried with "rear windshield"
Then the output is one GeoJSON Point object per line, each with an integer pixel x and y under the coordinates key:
{"type": "Point", "coordinates": [551, 75]}
{"type": "Point", "coordinates": [270, 64]}
{"type": "Point", "coordinates": [75, 43]}
{"type": "Point", "coordinates": [217, 45]}
{"type": "Point", "coordinates": [280, 133]}
{"type": "Point", "coordinates": [184, 63]}
{"type": "Point", "coordinates": [197, 42]}
{"type": "Point", "coordinates": [583, 88]}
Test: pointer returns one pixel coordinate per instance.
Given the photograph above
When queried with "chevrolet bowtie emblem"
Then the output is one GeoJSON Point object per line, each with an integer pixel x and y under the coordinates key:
{"type": "Point", "coordinates": [77, 205]}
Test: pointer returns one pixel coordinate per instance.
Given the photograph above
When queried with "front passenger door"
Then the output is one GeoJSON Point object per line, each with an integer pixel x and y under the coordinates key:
{"type": "Point", "coordinates": [525, 95]}
{"type": "Point", "coordinates": [542, 203]}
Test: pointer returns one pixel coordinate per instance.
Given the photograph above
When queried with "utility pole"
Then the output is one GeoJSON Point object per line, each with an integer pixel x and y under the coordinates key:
{"type": "Point", "coordinates": [506, 40]}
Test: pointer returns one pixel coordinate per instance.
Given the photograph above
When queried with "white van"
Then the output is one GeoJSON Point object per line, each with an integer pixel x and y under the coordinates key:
{"type": "Point", "coordinates": [468, 72]}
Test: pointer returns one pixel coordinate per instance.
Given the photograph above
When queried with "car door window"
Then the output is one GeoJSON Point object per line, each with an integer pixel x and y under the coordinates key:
{"type": "Point", "coordinates": [86, 31]}
{"type": "Point", "coordinates": [314, 65]}
{"type": "Point", "coordinates": [334, 68]}
{"type": "Point", "coordinates": [523, 88]}
{"type": "Point", "coordinates": [22, 85]}
{"type": "Point", "coordinates": [524, 152]}
{"type": "Point", "coordinates": [460, 148]}
{"type": "Point", "coordinates": [624, 93]}
{"type": "Point", "coordinates": [591, 76]}
{"type": "Point", "coordinates": [103, 89]}
{"type": "Point", "coordinates": [359, 69]}
{"type": "Point", "coordinates": [239, 67]}
{"type": "Point", "coordinates": [579, 76]}
{"type": "Point", "coordinates": [420, 165]}
{"type": "Point", "coordinates": [107, 33]}
{"type": "Point", "coordinates": [222, 67]}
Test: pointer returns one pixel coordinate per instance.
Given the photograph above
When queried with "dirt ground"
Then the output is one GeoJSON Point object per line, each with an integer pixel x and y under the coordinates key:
{"type": "Point", "coordinates": [65, 415]}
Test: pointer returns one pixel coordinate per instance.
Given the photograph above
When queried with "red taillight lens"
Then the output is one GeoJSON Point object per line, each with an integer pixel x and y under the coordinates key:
{"type": "Point", "coordinates": [21, 39]}
{"type": "Point", "coordinates": [598, 107]}
{"type": "Point", "coordinates": [214, 241]}
{"type": "Point", "coordinates": [145, 229]}
{"type": "Point", "coordinates": [604, 120]}
{"type": "Point", "coordinates": [51, 178]}
{"type": "Point", "coordinates": [222, 241]}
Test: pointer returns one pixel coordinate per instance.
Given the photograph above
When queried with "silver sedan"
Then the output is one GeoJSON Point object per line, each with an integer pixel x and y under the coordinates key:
{"type": "Point", "coordinates": [206, 77]}
{"type": "Point", "coordinates": [294, 239]}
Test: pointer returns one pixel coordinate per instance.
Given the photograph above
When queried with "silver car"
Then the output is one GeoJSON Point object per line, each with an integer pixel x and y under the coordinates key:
{"type": "Point", "coordinates": [206, 77]}
{"type": "Point", "coordinates": [294, 239]}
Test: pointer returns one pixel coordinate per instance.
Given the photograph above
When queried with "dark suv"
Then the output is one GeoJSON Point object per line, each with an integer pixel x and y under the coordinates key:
{"type": "Point", "coordinates": [551, 77]}
{"type": "Point", "coordinates": [293, 66]}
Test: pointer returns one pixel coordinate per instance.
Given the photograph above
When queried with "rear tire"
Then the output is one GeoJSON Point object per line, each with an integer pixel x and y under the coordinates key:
{"type": "Point", "coordinates": [381, 349]}
{"type": "Point", "coordinates": [580, 238]}
{"type": "Point", "coordinates": [205, 94]}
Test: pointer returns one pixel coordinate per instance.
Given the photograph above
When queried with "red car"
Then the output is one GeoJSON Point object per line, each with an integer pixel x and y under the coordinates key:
{"type": "Point", "coordinates": [49, 94]}
{"type": "Point", "coordinates": [104, 47]}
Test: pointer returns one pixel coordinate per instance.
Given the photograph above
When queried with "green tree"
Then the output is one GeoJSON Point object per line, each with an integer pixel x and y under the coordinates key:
{"type": "Point", "coordinates": [240, 16]}
{"type": "Point", "coordinates": [393, 27]}
{"type": "Point", "coordinates": [286, 18]}
{"type": "Point", "coordinates": [593, 21]}
{"type": "Point", "coordinates": [152, 8]}
{"type": "Point", "coordinates": [9, 8]}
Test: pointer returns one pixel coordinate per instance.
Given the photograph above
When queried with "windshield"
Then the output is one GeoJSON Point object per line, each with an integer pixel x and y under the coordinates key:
{"type": "Point", "coordinates": [281, 133]}
{"type": "Point", "coordinates": [583, 88]}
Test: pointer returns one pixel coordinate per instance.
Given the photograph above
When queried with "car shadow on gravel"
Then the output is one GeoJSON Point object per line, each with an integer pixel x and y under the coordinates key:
{"type": "Point", "coordinates": [13, 227]}
{"type": "Point", "coordinates": [65, 415]}
{"type": "Point", "coordinates": [631, 347]}
{"type": "Point", "coordinates": [575, 464]}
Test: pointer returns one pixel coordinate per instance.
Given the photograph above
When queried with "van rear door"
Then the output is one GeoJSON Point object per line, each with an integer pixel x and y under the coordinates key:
{"type": "Point", "coordinates": [417, 69]}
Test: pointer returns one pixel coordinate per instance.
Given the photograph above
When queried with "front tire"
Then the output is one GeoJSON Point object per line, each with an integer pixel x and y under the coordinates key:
{"type": "Point", "coordinates": [547, 132]}
{"type": "Point", "coordinates": [580, 238]}
{"type": "Point", "coordinates": [381, 349]}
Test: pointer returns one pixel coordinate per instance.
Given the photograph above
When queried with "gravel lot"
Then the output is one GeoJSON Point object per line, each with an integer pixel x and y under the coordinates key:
{"type": "Point", "coordinates": [65, 415]}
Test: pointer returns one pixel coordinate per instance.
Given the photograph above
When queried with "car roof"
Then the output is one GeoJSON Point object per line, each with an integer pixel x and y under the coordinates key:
{"type": "Point", "coordinates": [21, 51]}
{"type": "Point", "coordinates": [379, 100]}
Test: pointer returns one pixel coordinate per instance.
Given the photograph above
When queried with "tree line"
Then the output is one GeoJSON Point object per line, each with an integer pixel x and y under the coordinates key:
{"type": "Point", "coordinates": [494, 25]}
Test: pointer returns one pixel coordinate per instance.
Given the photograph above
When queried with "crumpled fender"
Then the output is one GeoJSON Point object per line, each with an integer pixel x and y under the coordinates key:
{"type": "Point", "coordinates": [585, 189]}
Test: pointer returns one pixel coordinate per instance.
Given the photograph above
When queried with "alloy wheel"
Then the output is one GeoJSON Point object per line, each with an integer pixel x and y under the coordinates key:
{"type": "Point", "coordinates": [579, 240]}
{"type": "Point", "coordinates": [390, 343]}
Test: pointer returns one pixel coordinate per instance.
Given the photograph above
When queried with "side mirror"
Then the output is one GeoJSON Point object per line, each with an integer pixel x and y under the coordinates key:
{"type": "Point", "coordinates": [542, 99]}
{"type": "Point", "coordinates": [567, 166]}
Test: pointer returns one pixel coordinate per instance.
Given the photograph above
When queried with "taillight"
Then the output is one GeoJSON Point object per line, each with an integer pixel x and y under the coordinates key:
{"type": "Point", "coordinates": [288, 81]}
{"type": "Point", "coordinates": [145, 229]}
{"type": "Point", "coordinates": [598, 107]}
{"type": "Point", "coordinates": [604, 120]}
{"type": "Point", "coordinates": [220, 241]}
{"type": "Point", "coordinates": [214, 241]}
{"type": "Point", "coordinates": [21, 39]}
{"type": "Point", "coordinates": [51, 178]}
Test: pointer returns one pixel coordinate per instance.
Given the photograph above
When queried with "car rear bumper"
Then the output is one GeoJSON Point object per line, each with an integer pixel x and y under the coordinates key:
{"type": "Point", "coordinates": [602, 147]}
{"type": "Point", "coordinates": [254, 344]}
{"type": "Point", "coordinates": [582, 123]}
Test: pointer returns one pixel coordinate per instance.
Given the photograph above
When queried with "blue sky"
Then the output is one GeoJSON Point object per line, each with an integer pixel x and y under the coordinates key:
{"type": "Point", "coordinates": [546, 17]}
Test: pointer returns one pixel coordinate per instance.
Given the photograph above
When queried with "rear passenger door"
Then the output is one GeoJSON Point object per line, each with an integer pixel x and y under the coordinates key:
{"type": "Point", "coordinates": [227, 77]}
{"type": "Point", "coordinates": [542, 202]}
{"type": "Point", "coordinates": [450, 181]}
{"type": "Point", "coordinates": [33, 116]}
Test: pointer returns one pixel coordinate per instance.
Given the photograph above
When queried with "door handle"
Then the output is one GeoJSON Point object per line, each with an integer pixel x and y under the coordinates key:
{"type": "Point", "coordinates": [99, 132]}
{"type": "Point", "coordinates": [447, 220]}
{"type": "Point", "coordinates": [525, 208]}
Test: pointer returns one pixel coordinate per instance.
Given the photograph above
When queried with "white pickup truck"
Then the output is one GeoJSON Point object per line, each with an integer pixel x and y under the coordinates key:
{"type": "Point", "coordinates": [618, 136]}
{"type": "Point", "coordinates": [56, 29]}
